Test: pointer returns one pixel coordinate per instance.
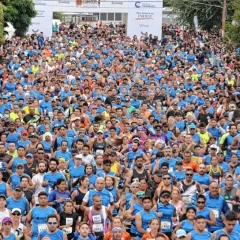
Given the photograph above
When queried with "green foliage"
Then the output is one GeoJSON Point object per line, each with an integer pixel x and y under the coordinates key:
{"type": "Point", "coordinates": [1, 24]}
{"type": "Point", "coordinates": [209, 17]}
{"type": "Point", "coordinates": [58, 15]}
{"type": "Point", "coordinates": [19, 13]}
{"type": "Point", "coordinates": [233, 24]}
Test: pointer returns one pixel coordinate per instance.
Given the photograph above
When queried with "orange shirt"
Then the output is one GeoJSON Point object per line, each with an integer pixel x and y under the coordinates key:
{"type": "Point", "coordinates": [192, 165]}
{"type": "Point", "coordinates": [147, 236]}
{"type": "Point", "coordinates": [125, 236]}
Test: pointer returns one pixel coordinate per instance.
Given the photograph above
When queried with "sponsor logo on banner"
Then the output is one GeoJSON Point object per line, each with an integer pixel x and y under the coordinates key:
{"type": "Point", "coordinates": [117, 3]}
{"type": "Point", "coordinates": [144, 16]}
{"type": "Point", "coordinates": [144, 5]}
{"type": "Point", "coordinates": [81, 3]}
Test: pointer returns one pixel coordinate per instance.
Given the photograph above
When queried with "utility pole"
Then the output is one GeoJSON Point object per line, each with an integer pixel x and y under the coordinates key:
{"type": "Point", "coordinates": [224, 16]}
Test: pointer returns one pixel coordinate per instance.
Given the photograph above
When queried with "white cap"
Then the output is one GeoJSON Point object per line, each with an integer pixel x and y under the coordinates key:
{"type": "Point", "coordinates": [78, 156]}
{"type": "Point", "coordinates": [214, 146]}
{"type": "Point", "coordinates": [16, 210]}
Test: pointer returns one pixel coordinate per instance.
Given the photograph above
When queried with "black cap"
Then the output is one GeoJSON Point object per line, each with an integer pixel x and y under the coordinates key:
{"type": "Point", "coordinates": [158, 173]}
{"type": "Point", "coordinates": [18, 187]}
{"type": "Point", "coordinates": [165, 193]}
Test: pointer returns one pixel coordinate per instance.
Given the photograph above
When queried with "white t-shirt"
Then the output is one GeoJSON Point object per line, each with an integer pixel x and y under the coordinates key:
{"type": "Point", "coordinates": [38, 179]}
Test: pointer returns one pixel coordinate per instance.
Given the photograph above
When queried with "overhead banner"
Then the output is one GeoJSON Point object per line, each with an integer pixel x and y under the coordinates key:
{"type": "Point", "coordinates": [90, 6]}
{"type": "Point", "coordinates": [145, 18]}
{"type": "Point", "coordinates": [43, 21]}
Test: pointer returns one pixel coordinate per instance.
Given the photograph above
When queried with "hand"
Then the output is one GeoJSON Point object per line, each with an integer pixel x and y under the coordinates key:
{"type": "Point", "coordinates": [45, 183]}
{"type": "Point", "coordinates": [159, 214]}
{"type": "Point", "coordinates": [68, 225]}
{"type": "Point", "coordinates": [60, 200]}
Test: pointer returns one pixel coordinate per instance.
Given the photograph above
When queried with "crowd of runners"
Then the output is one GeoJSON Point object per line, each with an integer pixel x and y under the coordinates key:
{"type": "Point", "coordinates": [107, 137]}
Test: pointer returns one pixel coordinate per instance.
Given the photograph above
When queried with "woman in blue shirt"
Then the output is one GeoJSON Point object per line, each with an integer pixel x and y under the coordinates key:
{"type": "Point", "coordinates": [187, 223]}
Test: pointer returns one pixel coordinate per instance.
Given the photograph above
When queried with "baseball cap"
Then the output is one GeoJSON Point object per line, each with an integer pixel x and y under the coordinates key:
{"type": "Point", "coordinates": [165, 193]}
{"type": "Point", "coordinates": [213, 146]}
{"type": "Point", "coordinates": [220, 153]}
{"type": "Point", "coordinates": [100, 131]}
{"type": "Point", "coordinates": [24, 132]}
{"type": "Point", "coordinates": [6, 219]}
{"type": "Point", "coordinates": [78, 156]}
{"type": "Point", "coordinates": [181, 233]}
{"type": "Point", "coordinates": [158, 173]}
{"type": "Point", "coordinates": [179, 162]}
{"type": "Point", "coordinates": [29, 155]}
{"type": "Point", "coordinates": [140, 194]}
{"type": "Point", "coordinates": [61, 159]}
{"type": "Point", "coordinates": [18, 187]}
{"type": "Point", "coordinates": [16, 210]}
{"type": "Point", "coordinates": [192, 126]}
{"type": "Point", "coordinates": [204, 106]}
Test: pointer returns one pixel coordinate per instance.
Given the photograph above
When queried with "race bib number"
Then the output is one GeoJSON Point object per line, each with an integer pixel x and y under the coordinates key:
{"type": "Point", "coordinates": [69, 221]}
{"type": "Point", "coordinates": [165, 225]}
{"type": "Point", "coordinates": [79, 218]}
{"type": "Point", "coordinates": [186, 200]}
{"type": "Point", "coordinates": [97, 219]}
{"type": "Point", "coordinates": [42, 227]}
{"type": "Point", "coordinates": [97, 228]}
{"type": "Point", "coordinates": [216, 213]}
{"type": "Point", "coordinates": [67, 230]}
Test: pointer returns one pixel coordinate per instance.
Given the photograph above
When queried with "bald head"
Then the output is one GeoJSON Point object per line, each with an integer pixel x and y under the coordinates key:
{"type": "Point", "coordinates": [99, 184]}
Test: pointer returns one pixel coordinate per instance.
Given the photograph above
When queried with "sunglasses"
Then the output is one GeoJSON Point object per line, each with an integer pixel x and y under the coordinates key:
{"type": "Point", "coordinates": [40, 153]}
{"type": "Point", "coordinates": [16, 214]}
{"type": "Point", "coordinates": [179, 164]}
{"type": "Point", "coordinates": [189, 174]}
{"type": "Point", "coordinates": [52, 223]}
{"type": "Point", "coordinates": [166, 178]}
{"type": "Point", "coordinates": [18, 190]}
{"type": "Point", "coordinates": [201, 202]}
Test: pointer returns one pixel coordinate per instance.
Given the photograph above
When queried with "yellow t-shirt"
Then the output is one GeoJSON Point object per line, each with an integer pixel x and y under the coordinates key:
{"type": "Point", "coordinates": [35, 69]}
{"type": "Point", "coordinates": [13, 116]}
{"type": "Point", "coordinates": [26, 110]}
{"type": "Point", "coordinates": [14, 155]}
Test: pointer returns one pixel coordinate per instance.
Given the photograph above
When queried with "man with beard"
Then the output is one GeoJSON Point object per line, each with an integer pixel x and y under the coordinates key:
{"type": "Point", "coordinates": [131, 155]}
{"type": "Point", "coordinates": [4, 159]}
{"type": "Point", "coordinates": [37, 216]}
{"type": "Point", "coordinates": [13, 136]}
{"type": "Point", "coordinates": [52, 232]}
{"type": "Point", "coordinates": [32, 117]}
{"type": "Point", "coordinates": [37, 181]}
{"type": "Point", "coordinates": [137, 173]}
{"type": "Point", "coordinates": [51, 177]}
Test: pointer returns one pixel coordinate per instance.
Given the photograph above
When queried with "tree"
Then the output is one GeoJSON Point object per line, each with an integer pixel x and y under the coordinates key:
{"type": "Point", "coordinates": [58, 15]}
{"type": "Point", "coordinates": [233, 24]}
{"type": "Point", "coordinates": [209, 13]}
{"type": "Point", "coordinates": [19, 13]}
{"type": "Point", "coordinates": [1, 24]}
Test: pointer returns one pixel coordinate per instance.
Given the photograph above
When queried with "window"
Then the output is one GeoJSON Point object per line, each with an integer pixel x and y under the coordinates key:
{"type": "Point", "coordinates": [103, 16]}
{"type": "Point", "coordinates": [110, 16]}
{"type": "Point", "coordinates": [118, 17]}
